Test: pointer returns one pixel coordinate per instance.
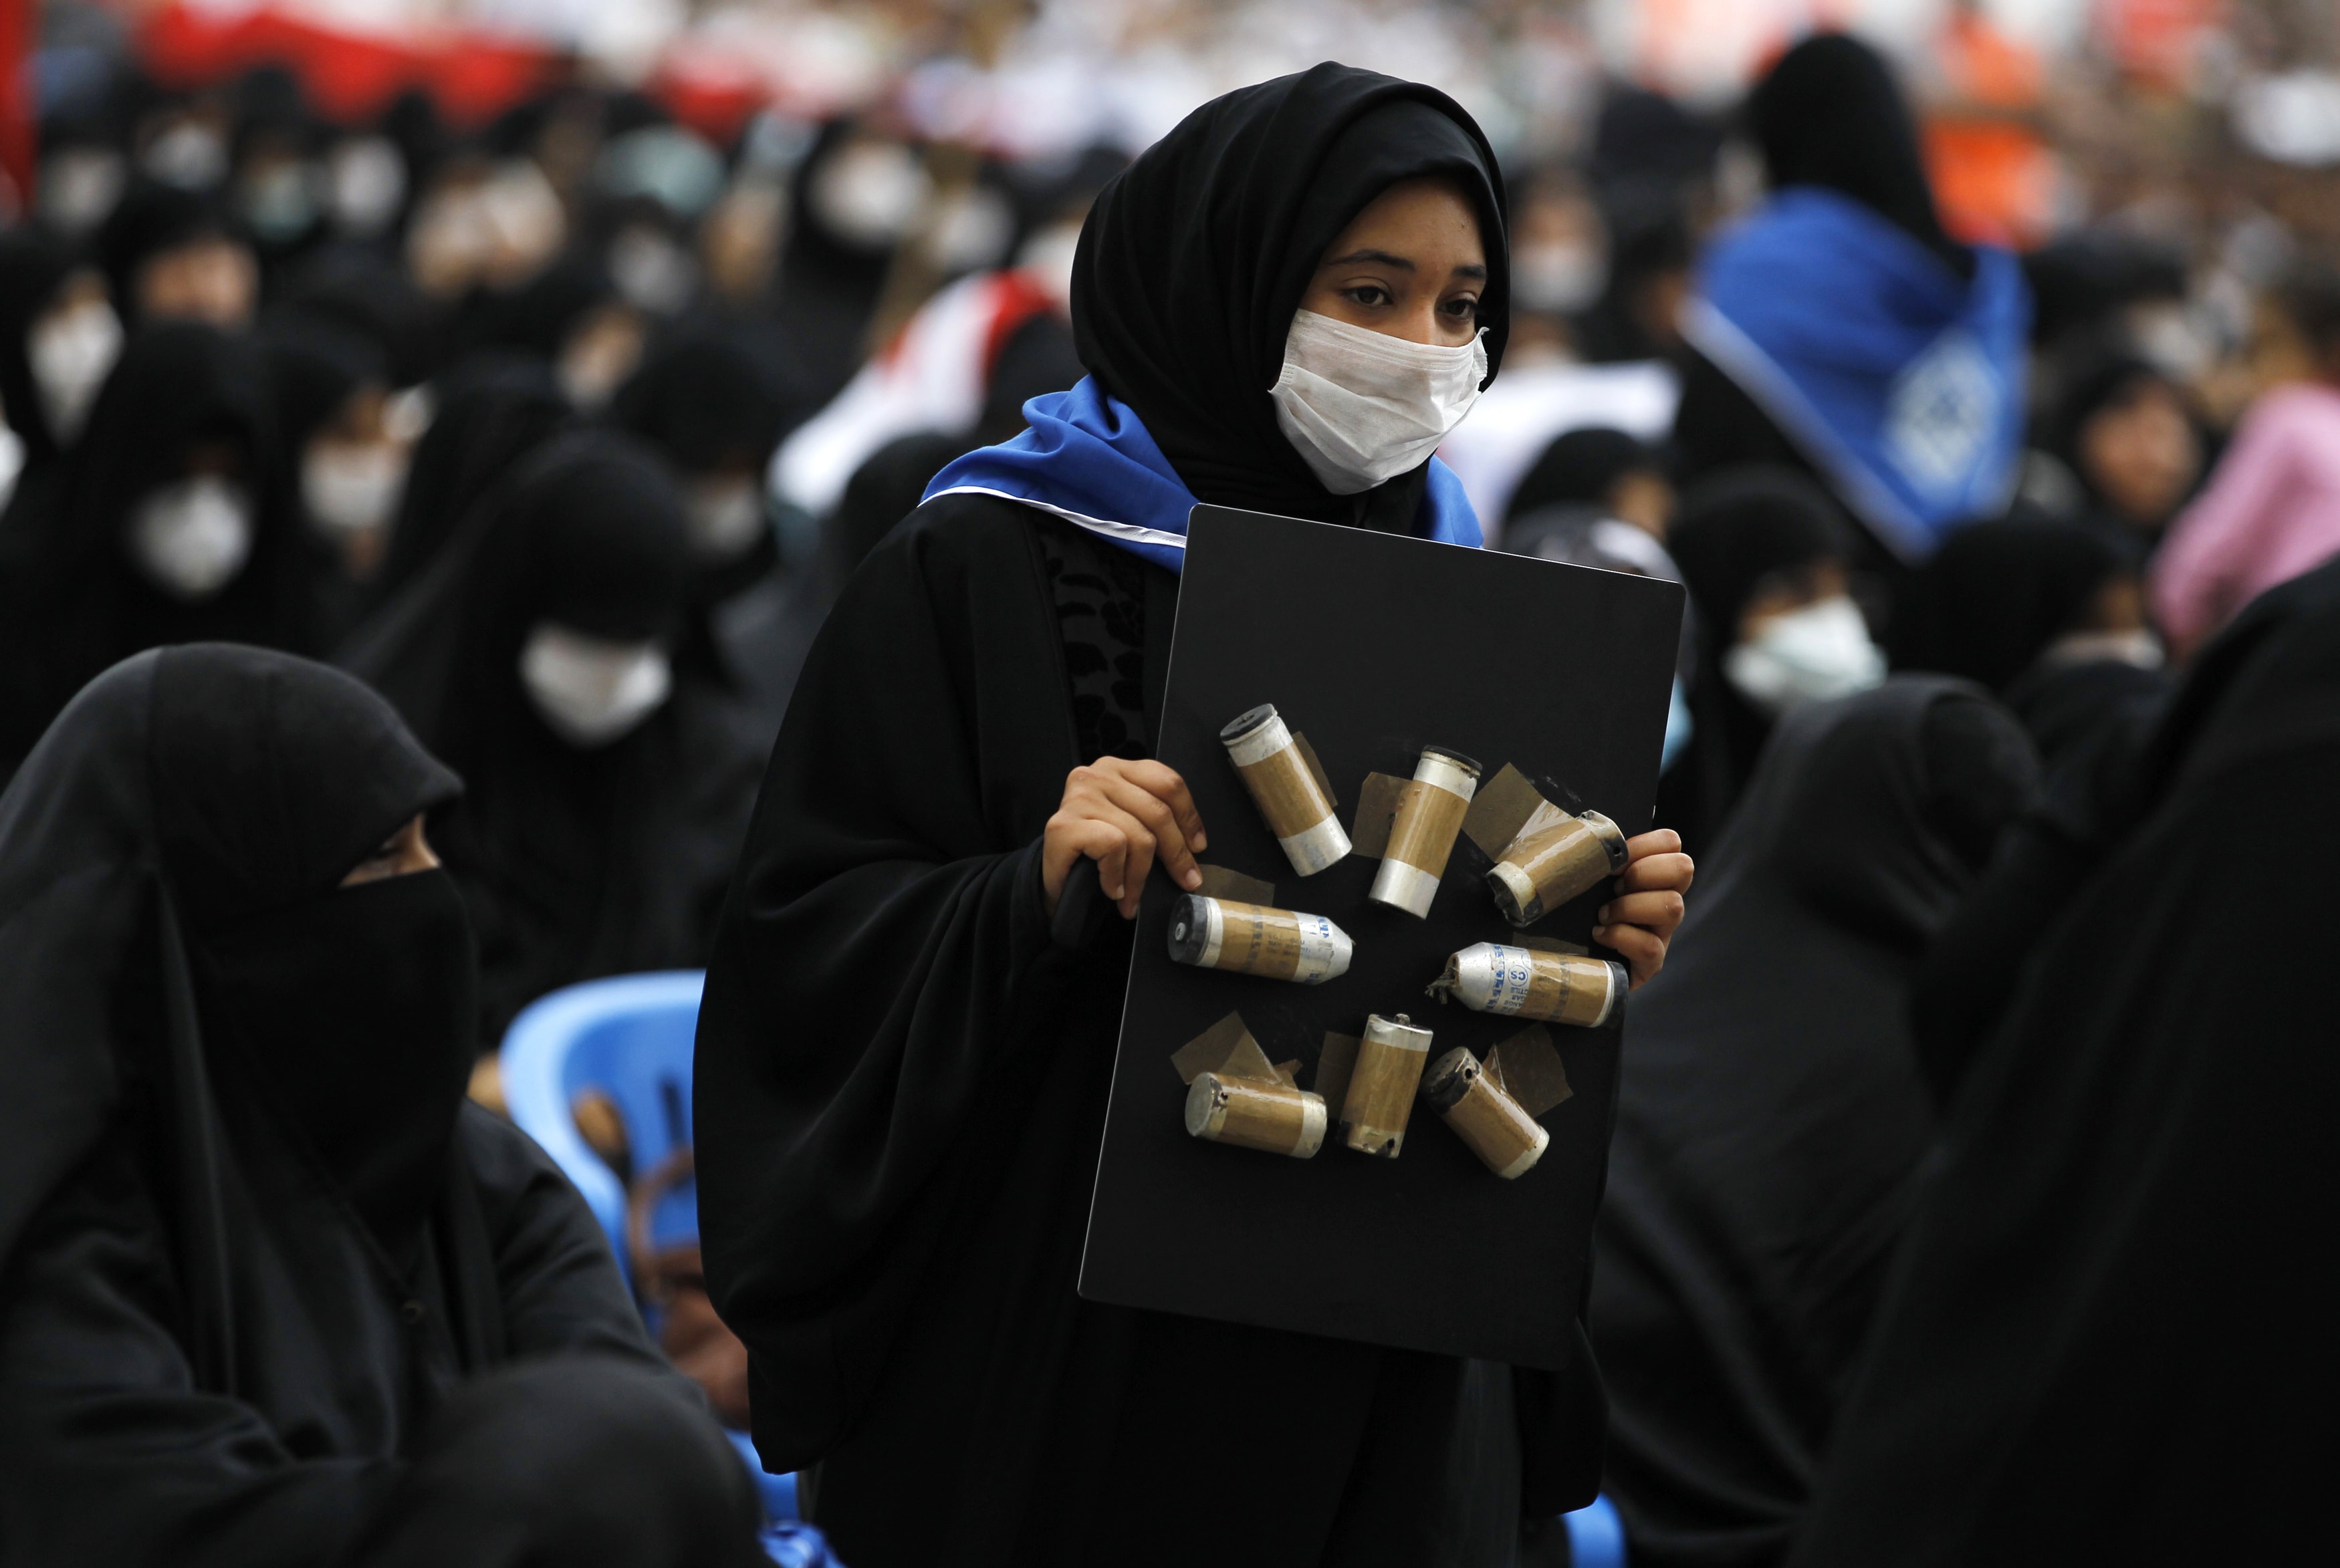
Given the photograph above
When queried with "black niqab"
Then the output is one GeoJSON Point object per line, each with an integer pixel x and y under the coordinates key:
{"type": "Point", "coordinates": [254, 1242]}
{"type": "Point", "coordinates": [1830, 115]}
{"type": "Point", "coordinates": [2102, 1338]}
{"type": "Point", "coordinates": [1771, 1114]}
{"type": "Point", "coordinates": [1580, 467]}
{"type": "Point", "coordinates": [1195, 260]}
{"type": "Point", "coordinates": [152, 218]}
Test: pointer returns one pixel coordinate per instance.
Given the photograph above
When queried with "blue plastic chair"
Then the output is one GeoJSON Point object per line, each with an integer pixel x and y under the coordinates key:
{"type": "Point", "coordinates": [632, 1038]}
{"type": "Point", "coordinates": [1596, 1535]}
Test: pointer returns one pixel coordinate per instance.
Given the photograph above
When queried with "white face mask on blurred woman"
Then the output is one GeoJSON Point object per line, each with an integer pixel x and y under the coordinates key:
{"type": "Point", "coordinates": [72, 348]}
{"type": "Point", "coordinates": [1362, 407]}
{"type": "Point", "coordinates": [351, 487]}
{"type": "Point", "coordinates": [191, 536]}
{"type": "Point", "coordinates": [1811, 654]}
{"type": "Point", "coordinates": [590, 690]}
{"type": "Point", "coordinates": [726, 513]}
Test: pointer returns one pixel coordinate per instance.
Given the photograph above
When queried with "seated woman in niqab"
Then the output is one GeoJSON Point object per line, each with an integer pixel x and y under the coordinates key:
{"type": "Point", "coordinates": [906, 1037]}
{"type": "Point", "coordinates": [271, 1291]}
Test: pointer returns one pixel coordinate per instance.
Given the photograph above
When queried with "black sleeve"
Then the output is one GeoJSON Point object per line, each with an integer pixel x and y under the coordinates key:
{"type": "Point", "coordinates": [560, 1287]}
{"type": "Point", "coordinates": [109, 1454]}
{"type": "Point", "coordinates": [885, 953]}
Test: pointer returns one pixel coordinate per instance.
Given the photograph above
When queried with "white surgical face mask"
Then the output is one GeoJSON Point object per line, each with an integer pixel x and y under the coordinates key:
{"type": "Point", "coordinates": [592, 691]}
{"type": "Point", "coordinates": [870, 192]}
{"type": "Point", "coordinates": [1362, 407]}
{"type": "Point", "coordinates": [12, 464]}
{"type": "Point", "coordinates": [726, 516]}
{"type": "Point", "coordinates": [2137, 647]}
{"type": "Point", "coordinates": [1559, 276]}
{"type": "Point", "coordinates": [351, 487]}
{"type": "Point", "coordinates": [1809, 655]}
{"type": "Point", "coordinates": [191, 536]}
{"type": "Point", "coordinates": [72, 352]}
{"type": "Point", "coordinates": [366, 185]}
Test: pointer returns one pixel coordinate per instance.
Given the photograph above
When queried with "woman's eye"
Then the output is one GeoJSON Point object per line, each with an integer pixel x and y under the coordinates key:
{"type": "Point", "coordinates": [1462, 310]}
{"type": "Point", "coordinates": [1373, 296]}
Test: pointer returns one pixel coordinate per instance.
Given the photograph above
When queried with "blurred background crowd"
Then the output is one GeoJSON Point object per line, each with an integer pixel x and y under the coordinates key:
{"type": "Point", "coordinates": [549, 363]}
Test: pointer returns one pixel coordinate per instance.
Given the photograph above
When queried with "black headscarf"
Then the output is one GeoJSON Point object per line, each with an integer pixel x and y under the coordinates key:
{"type": "Point", "coordinates": [1772, 1113]}
{"type": "Point", "coordinates": [32, 266]}
{"type": "Point", "coordinates": [1830, 115]}
{"type": "Point", "coordinates": [1195, 260]}
{"type": "Point", "coordinates": [152, 218]}
{"type": "Point", "coordinates": [87, 606]}
{"type": "Point", "coordinates": [703, 401]}
{"type": "Point", "coordinates": [492, 410]}
{"type": "Point", "coordinates": [1733, 531]}
{"type": "Point", "coordinates": [2103, 1336]}
{"type": "Point", "coordinates": [1580, 467]}
{"type": "Point", "coordinates": [235, 788]}
{"type": "Point", "coordinates": [1990, 600]}
{"type": "Point", "coordinates": [577, 863]}
{"type": "Point", "coordinates": [2105, 381]}
{"type": "Point", "coordinates": [313, 366]}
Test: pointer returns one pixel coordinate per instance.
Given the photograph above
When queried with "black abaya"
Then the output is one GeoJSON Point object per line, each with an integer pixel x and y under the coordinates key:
{"type": "Point", "coordinates": [1772, 1113]}
{"type": "Point", "coordinates": [2103, 1338]}
{"type": "Point", "coordinates": [903, 1059]}
{"type": "Point", "coordinates": [242, 1265]}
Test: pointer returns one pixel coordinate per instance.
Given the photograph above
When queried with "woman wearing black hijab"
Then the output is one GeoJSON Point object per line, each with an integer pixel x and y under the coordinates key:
{"type": "Point", "coordinates": [173, 528]}
{"type": "Point", "coordinates": [272, 1291]}
{"type": "Point", "coordinates": [2127, 436]}
{"type": "Point", "coordinates": [606, 796]}
{"type": "Point", "coordinates": [2047, 615]}
{"type": "Point", "coordinates": [1772, 1113]}
{"type": "Point", "coordinates": [1763, 556]}
{"type": "Point", "coordinates": [2105, 1338]}
{"type": "Point", "coordinates": [492, 410]}
{"type": "Point", "coordinates": [330, 387]}
{"type": "Point", "coordinates": [908, 1032]}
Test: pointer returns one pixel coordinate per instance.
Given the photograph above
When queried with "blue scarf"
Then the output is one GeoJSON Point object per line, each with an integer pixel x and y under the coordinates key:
{"type": "Point", "coordinates": [1901, 381]}
{"type": "Point", "coordinates": [1086, 458]}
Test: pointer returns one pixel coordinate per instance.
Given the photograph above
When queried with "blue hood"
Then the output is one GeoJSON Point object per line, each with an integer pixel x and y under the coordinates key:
{"type": "Point", "coordinates": [1903, 382]}
{"type": "Point", "coordinates": [1087, 459]}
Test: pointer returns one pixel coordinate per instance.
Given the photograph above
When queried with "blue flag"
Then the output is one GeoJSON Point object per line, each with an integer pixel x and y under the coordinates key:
{"type": "Point", "coordinates": [1900, 380]}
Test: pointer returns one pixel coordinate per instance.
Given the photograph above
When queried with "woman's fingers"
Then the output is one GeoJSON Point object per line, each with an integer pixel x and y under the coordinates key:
{"type": "Point", "coordinates": [1659, 873]}
{"type": "Point", "coordinates": [1164, 785]}
{"type": "Point", "coordinates": [1658, 913]}
{"type": "Point", "coordinates": [1161, 822]}
{"type": "Point", "coordinates": [1644, 951]}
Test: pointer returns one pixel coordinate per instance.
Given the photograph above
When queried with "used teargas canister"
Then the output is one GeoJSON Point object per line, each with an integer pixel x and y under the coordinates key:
{"type": "Point", "coordinates": [1298, 812]}
{"type": "Point", "coordinates": [1528, 982]}
{"type": "Point", "coordinates": [1546, 866]}
{"type": "Point", "coordinates": [1498, 1128]}
{"type": "Point", "coordinates": [1429, 815]}
{"type": "Point", "coordinates": [1381, 1086]}
{"type": "Point", "coordinates": [1274, 1117]}
{"type": "Point", "coordinates": [1252, 939]}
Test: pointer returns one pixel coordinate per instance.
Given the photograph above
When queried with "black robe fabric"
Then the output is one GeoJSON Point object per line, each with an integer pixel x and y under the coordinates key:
{"type": "Point", "coordinates": [85, 605]}
{"type": "Point", "coordinates": [2102, 1341]}
{"type": "Point", "coordinates": [1772, 1113]}
{"type": "Point", "coordinates": [211, 1351]}
{"type": "Point", "coordinates": [900, 1085]}
{"type": "Point", "coordinates": [576, 862]}
{"type": "Point", "coordinates": [492, 410]}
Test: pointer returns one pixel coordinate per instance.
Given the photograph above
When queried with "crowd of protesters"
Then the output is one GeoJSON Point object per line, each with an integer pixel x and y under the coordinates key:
{"type": "Point", "coordinates": [1964, 1163]}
